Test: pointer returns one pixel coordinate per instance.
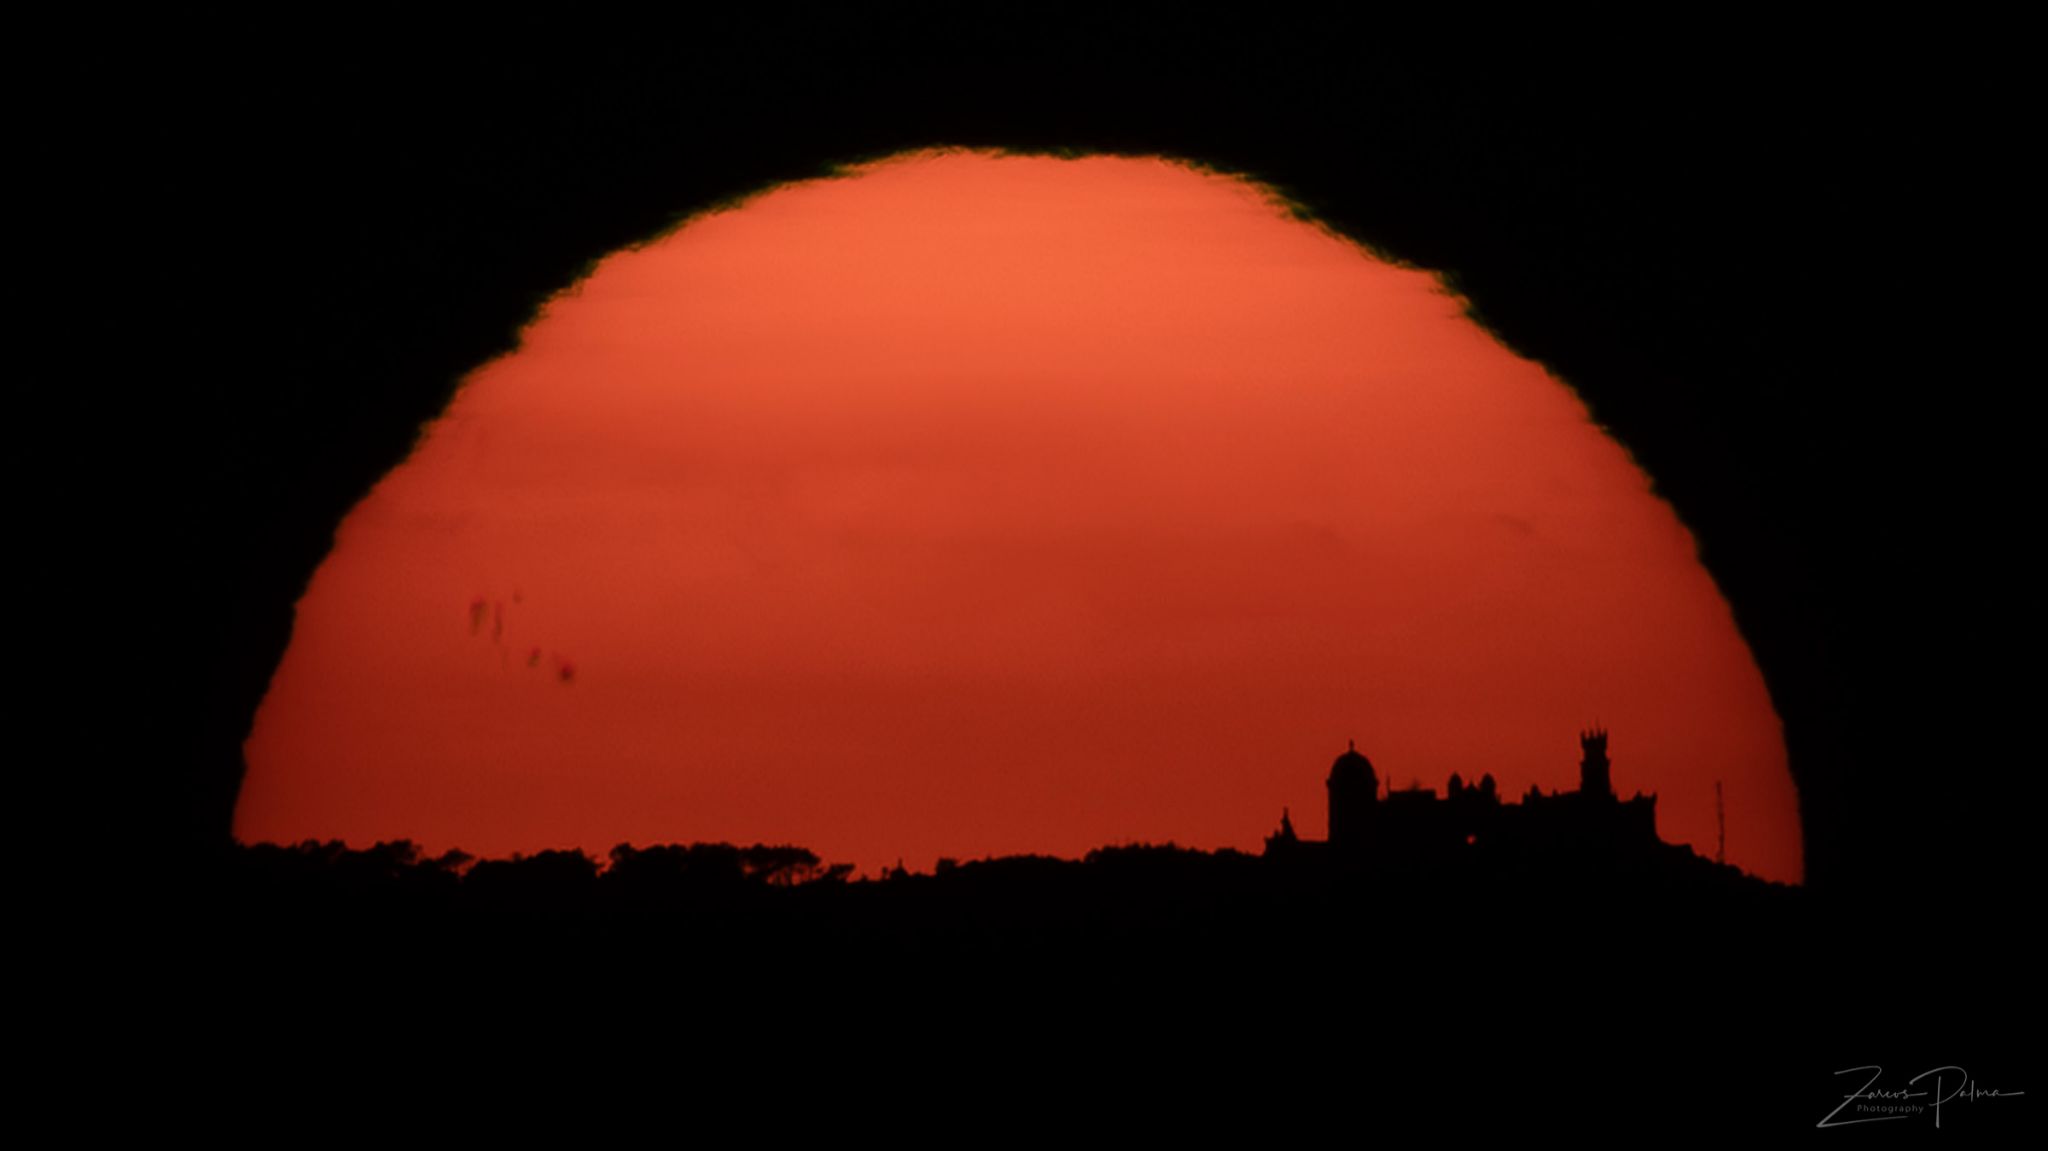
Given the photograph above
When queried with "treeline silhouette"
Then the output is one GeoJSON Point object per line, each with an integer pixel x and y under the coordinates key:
{"type": "Point", "coordinates": [1145, 896]}
{"type": "Point", "coordinates": [398, 873]}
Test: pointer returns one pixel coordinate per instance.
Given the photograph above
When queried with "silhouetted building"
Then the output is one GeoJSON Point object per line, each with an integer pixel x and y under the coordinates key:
{"type": "Point", "coordinates": [1416, 823]}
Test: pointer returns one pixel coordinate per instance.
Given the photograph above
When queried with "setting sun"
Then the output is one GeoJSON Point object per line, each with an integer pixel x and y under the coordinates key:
{"type": "Point", "coordinates": [970, 504]}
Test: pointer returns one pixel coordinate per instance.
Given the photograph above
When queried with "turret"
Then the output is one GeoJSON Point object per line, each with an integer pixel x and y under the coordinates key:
{"type": "Point", "coordinates": [1595, 777]}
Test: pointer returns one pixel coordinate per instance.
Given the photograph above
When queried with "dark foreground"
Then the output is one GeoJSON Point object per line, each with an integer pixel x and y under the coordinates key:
{"type": "Point", "coordinates": [1157, 989]}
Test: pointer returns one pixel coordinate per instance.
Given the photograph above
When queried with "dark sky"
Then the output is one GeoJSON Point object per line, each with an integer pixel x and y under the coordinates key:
{"type": "Point", "coordinates": [1768, 269]}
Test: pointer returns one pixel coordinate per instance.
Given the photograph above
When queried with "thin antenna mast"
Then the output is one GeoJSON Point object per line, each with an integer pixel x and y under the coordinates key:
{"type": "Point", "coordinates": [1721, 821]}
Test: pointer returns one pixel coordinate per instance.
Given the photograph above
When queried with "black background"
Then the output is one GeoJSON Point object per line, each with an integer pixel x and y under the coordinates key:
{"type": "Point", "coordinates": [1782, 268]}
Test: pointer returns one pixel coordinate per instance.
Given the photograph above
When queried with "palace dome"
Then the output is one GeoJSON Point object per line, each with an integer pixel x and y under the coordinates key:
{"type": "Point", "coordinates": [1353, 766]}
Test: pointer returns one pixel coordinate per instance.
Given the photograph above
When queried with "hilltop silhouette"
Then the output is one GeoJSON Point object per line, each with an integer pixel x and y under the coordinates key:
{"type": "Point", "coordinates": [1410, 847]}
{"type": "Point", "coordinates": [1434, 945]}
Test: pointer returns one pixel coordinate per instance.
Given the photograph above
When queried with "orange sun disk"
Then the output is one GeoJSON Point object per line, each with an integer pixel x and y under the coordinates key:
{"type": "Point", "coordinates": [973, 505]}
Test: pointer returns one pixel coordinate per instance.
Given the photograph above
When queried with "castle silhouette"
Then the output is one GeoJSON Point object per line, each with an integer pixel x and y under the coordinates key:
{"type": "Point", "coordinates": [1416, 824]}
